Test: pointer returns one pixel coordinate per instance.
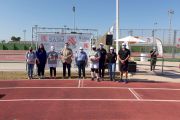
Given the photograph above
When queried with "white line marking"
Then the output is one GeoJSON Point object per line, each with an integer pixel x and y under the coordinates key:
{"type": "Point", "coordinates": [125, 100]}
{"type": "Point", "coordinates": [136, 95]}
{"type": "Point", "coordinates": [156, 89]}
{"type": "Point", "coordinates": [89, 88]}
{"type": "Point", "coordinates": [63, 87]}
{"type": "Point", "coordinates": [79, 83]}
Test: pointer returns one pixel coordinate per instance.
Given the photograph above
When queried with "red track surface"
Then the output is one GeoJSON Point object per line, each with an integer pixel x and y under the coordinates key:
{"type": "Point", "coordinates": [88, 100]}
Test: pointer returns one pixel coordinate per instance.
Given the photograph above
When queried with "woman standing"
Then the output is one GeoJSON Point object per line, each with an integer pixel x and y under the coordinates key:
{"type": "Point", "coordinates": [30, 59]}
{"type": "Point", "coordinates": [112, 57]}
{"type": "Point", "coordinates": [52, 62]}
{"type": "Point", "coordinates": [41, 60]}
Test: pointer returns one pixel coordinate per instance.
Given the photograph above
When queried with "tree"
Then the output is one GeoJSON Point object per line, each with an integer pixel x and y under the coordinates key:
{"type": "Point", "coordinates": [15, 39]}
{"type": "Point", "coordinates": [3, 41]}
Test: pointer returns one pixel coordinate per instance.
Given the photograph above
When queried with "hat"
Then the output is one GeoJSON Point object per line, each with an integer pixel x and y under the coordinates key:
{"type": "Point", "coordinates": [80, 48]}
{"type": "Point", "coordinates": [123, 44]}
{"type": "Point", "coordinates": [66, 43]}
{"type": "Point", "coordinates": [101, 44]}
{"type": "Point", "coordinates": [93, 46]}
{"type": "Point", "coordinates": [111, 48]}
{"type": "Point", "coordinates": [52, 48]}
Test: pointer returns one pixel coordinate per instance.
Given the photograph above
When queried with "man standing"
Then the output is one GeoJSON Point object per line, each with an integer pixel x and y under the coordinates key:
{"type": "Point", "coordinates": [52, 61]}
{"type": "Point", "coordinates": [102, 59]}
{"type": "Point", "coordinates": [123, 56]}
{"type": "Point", "coordinates": [153, 54]}
{"type": "Point", "coordinates": [66, 60]}
{"type": "Point", "coordinates": [81, 61]}
{"type": "Point", "coordinates": [94, 63]}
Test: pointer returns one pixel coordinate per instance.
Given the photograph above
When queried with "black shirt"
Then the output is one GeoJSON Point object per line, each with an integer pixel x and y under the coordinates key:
{"type": "Point", "coordinates": [102, 53]}
{"type": "Point", "coordinates": [153, 54]}
{"type": "Point", "coordinates": [123, 54]}
{"type": "Point", "coordinates": [111, 57]}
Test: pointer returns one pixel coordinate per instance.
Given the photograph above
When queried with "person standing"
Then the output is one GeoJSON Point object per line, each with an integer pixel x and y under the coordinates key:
{"type": "Point", "coordinates": [123, 56]}
{"type": "Point", "coordinates": [81, 61]}
{"type": "Point", "coordinates": [94, 57]}
{"type": "Point", "coordinates": [52, 61]}
{"type": "Point", "coordinates": [66, 58]}
{"type": "Point", "coordinates": [30, 61]}
{"type": "Point", "coordinates": [102, 59]}
{"type": "Point", "coordinates": [41, 60]}
{"type": "Point", "coordinates": [153, 54]}
{"type": "Point", "coordinates": [111, 59]}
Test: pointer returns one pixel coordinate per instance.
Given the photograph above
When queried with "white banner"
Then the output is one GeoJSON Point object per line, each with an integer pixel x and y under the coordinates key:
{"type": "Point", "coordinates": [58, 40]}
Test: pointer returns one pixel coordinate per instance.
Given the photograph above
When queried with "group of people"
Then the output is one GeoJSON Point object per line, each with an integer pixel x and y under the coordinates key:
{"type": "Point", "coordinates": [98, 59]}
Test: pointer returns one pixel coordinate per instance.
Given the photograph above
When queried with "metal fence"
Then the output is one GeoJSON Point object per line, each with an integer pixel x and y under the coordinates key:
{"type": "Point", "coordinates": [170, 39]}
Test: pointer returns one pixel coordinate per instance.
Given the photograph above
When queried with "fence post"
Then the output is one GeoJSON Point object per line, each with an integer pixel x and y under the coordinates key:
{"type": "Point", "coordinates": [174, 43]}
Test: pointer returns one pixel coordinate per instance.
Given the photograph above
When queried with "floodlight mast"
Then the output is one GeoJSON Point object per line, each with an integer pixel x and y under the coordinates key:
{"type": "Point", "coordinates": [117, 30]}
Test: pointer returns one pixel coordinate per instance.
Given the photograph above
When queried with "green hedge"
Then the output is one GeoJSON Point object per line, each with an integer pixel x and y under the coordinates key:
{"type": "Point", "coordinates": [15, 46]}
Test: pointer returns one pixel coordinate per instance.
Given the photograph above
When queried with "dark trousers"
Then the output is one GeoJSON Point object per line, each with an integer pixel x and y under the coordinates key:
{"type": "Point", "coordinates": [101, 69]}
{"type": "Point", "coordinates": [81, 67]}
{"type": "Point", "coordinates": [68, 66]}
{"type": "Point", "coordinates": [153, 64]}
{"type": "Point", "coordinates": [41, 68]}
{"type": "Point", "coordinates": [52, 69]}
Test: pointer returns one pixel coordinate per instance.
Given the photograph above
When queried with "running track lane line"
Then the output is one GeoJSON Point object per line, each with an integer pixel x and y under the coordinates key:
{"type": "Point", "coordinates": [136, 95]}
{"type": "Point", "coordinates": [79, 83]}
{"type": "Point", "coordinates": [117, 100]}
{"type": "Point", "coordinates": [90, 88]}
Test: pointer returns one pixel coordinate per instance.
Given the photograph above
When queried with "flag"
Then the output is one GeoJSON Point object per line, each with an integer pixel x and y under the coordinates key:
{"type": "Point", "coordinates": [74, 9]}
{"type": "Point", "coordinates": [112, 30]}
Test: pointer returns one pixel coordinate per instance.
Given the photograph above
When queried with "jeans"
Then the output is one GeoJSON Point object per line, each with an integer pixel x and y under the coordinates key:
{"type": "Point", "coordinates": [112, 68]}
{"type": "Point", "coordinates": [81, 67]}
{"type": "Point", "coordinates": [30, 70]}
{"type": "Point", "coordinates": [101, 69]}
{"type": "Point", "coordinates": [64, 69]}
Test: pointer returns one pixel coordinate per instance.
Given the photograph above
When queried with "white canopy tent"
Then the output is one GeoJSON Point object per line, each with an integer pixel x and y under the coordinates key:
{"type": "Point", "coordinates": [130, 40]}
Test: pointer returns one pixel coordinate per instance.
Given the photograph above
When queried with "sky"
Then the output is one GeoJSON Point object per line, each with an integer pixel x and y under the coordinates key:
{"type": "Point", "coordinates": [19, 15]}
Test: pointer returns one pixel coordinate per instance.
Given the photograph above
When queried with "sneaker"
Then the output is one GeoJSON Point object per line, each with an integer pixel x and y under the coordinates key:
{"type": "Point", "coordinates": [29, 78]}
{"type": "Point", "coordinates": [84, 77]}
{"type": "Point", "coordinates": [98, 80]}
{"type": "Point", "coordinates": [69, 77]}
{"type": "Point", "coordinates": [121, 80]}
{"type": "Point", "coordinates": [126, 81]}
{"type": "Point", "coordinates": [92, 79]}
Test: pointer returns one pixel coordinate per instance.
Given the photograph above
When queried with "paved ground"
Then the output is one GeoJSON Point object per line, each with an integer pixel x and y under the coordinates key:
{"type": "Point", "coordinates": [171, 71]}
{"type": "Point", "coordinates": [88, 100]}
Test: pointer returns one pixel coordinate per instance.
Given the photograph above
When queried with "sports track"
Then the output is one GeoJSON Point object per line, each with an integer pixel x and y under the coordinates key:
{"type": "Point", "coordinates": [88, 100]}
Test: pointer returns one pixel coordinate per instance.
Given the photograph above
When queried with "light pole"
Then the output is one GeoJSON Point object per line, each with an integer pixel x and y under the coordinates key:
{"type": "Point", "coordinates": [24, 31]}
{"type": "Point", "coordinates": [117, 30]}
{"type": "Point", "coordinates": [153, 33]}
{"type": "Point", "coordinates": [170, 13]}
{"type": "Point", "coordinates": [74, 11]}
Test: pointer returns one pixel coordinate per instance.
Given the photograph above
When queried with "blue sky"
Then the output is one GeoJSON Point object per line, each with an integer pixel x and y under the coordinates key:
{"type": "Point", "coordinates": [17, 15]}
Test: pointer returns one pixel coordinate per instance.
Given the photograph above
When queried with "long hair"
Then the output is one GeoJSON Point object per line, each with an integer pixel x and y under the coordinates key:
{"type": "Point", "coordinates": [39, 48]}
